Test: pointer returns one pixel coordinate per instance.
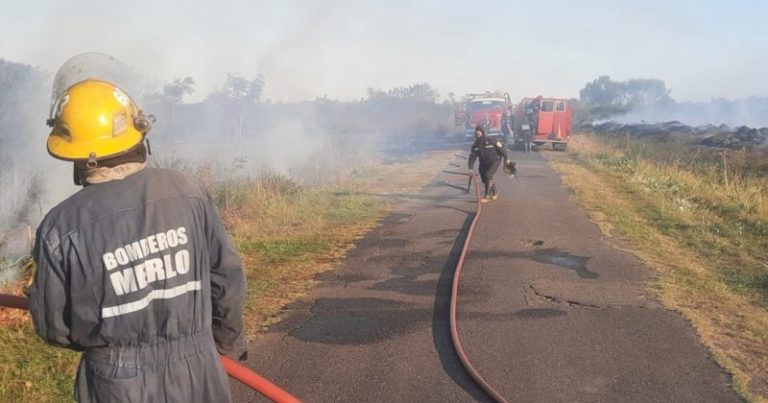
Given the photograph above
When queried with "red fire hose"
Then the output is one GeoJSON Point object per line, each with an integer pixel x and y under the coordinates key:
{"type": "Point", "coordinates": [14, 301]}
{"type": "Point", "coordinates": [257, 382]}
{"type": "Point", "coordinates": [235, 370]}
{"type": "Point", "coordinates": [484, 385]}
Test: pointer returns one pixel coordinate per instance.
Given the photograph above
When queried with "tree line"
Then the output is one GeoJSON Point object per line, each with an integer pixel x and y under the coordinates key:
{"type": "Point", "coordinates": [234, 110]}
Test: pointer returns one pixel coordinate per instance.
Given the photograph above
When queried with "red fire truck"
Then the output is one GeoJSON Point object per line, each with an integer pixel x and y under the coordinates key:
{"type": "Point", "coordinates": [491, 110]}
{"type": "Point", "coordinates": [543, 120]}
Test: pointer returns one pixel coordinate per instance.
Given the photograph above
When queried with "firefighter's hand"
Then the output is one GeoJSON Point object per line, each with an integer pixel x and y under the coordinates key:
{"type": "Point", "coordinates": [469, 172]}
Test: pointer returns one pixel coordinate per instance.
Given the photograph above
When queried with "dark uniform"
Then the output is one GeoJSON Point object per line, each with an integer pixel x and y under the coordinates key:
{"type": "Point", "coordinates": [491, 154]}
{"type": "Point", "coordinates": [140, 275]}
{"type": "Point", "coordinates": [532, 113]}
{"type": "Point", "coordinates": [506, 128]}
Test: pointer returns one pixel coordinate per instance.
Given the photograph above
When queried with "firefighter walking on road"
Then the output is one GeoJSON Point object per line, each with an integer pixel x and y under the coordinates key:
{"type": "Point", "coordinates": [136, 269]}
{"type": "Point", "coordinates": [491, 153]}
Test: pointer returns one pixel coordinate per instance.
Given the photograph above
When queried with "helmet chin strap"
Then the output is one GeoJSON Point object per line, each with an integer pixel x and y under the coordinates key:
{"type": "Point", "coordinates": [82, 169]}
{"type": "Point", "coordinates": [77, 176]}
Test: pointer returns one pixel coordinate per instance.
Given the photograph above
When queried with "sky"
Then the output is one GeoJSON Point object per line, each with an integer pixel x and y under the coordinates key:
{"type": "Point", "coordinates": [340, 48]}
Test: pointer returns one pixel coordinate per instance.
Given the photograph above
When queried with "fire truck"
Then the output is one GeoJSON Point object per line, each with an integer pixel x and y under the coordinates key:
{"type": "Point", "coordinates": [543, 120]}
{"type": "Point", "coordinates": [491, 110]}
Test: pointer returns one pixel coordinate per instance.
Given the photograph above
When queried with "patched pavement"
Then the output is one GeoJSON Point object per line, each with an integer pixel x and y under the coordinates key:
{"type": "Point", "coordinates": [548, 309]}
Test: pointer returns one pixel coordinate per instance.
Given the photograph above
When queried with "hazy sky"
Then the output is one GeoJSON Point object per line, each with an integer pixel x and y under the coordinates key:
{"type": "Point", "coordinates": [702, 49]}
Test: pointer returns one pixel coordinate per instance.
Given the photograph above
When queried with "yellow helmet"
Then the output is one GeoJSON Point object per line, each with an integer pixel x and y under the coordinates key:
{"type": "Point", "coordinates": [93, 120]}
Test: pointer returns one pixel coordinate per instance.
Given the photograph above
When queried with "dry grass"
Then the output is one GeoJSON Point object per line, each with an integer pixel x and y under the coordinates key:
{"type": "Point", "coordinates": [707, 240]}
{"type": "Point", "coordinates": [31, 370]}
{"type": "Point", "coordinates": [286, 233]}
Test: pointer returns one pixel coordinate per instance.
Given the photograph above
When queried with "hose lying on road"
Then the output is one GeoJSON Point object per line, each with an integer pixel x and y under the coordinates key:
{"type": "Point", "coordinates": [235, 370]}
{"type": "Point", "coordinates": [256, 382]}
{"type": "Point", "coordinates": [484, 385]}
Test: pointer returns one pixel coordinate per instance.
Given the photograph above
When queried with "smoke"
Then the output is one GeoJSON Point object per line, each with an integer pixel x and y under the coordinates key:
{"type": "Point", "coordinates": [290, 143]}
{"type": "Point", "coordinates": [752, 112]}
{"type": "Point", "coordinates": [231, 130]}
{"type": "Point", "coordinates": [262, 138]}
{"type": "Point", "coordinates": [29, 180]}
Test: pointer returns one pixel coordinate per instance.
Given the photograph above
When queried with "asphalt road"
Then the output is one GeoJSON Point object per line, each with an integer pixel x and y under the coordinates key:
{"type": "Point", "coordinates": [549, 310]}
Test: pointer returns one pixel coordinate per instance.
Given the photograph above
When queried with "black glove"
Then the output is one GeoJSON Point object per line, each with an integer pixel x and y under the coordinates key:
{"type": "Point", "coordinates": [237, 351]}
{"type": "Point", "coordinates": [510, 168]}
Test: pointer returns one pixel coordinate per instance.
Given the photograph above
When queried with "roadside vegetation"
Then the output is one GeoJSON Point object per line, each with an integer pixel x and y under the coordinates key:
{"type": "Point", "coordinates": [286, 233]}
{"type": "Point", "coordinates": [287, 227]}
{"type": "Point", "coordinates": [699, 216]}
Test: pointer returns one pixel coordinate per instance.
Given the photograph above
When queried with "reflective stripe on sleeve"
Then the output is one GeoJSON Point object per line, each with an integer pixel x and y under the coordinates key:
{"type": "Point", "coordinates": [129, 307]}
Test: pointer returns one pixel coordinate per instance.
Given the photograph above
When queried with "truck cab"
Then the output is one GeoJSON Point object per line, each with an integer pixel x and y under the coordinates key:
{"type": "Point", "coordinates": [543, 120]}
{"type": "Point", "coordinates": [488, 110]}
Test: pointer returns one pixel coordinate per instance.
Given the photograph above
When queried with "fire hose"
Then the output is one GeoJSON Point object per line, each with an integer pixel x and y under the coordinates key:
{"type": "Point", "coordinates": [235, 370]}
{"type": "Point", "coordinates": [473, 373]}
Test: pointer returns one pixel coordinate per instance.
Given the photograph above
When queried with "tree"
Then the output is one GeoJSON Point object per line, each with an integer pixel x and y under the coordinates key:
{"type": "Point", "coordinates": [645, 92]}
{"type": "Point", "coordinates": [421, 92]}
{"type": "Point", "coordinates": [603, 97]}
{"type": "Point", "coordinates": [237, 96]}
{"type": "Point", "coordinates": [238, 87]}
{"type": "Point", "coordinates": [166, 103]}
{"type": "Point", "coordinates": [631, 93]}
{"type": "Point", "coordinates": [602, 92]}
{"type": "Point", "coordinates": [178, 88]}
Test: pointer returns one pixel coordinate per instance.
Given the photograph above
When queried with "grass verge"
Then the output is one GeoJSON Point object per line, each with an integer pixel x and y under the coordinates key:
{"type": "Point", "coordinates": [706, 238]}
{"type": "Point", "coordinates": [286, 233]}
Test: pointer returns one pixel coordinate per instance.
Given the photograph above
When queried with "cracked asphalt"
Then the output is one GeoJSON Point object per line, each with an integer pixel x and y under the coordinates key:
{"type": "Point", "coordinates": [549, 310]}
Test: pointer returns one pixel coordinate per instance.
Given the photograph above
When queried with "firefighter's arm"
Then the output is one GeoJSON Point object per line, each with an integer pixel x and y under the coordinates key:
{"type": "Point", "coordinates": [501, 149]}
{"type": "Point", "coordinates": [472, 155]}
{"type": "Point", "coordinates": [227, 288]}
{"type": "Point", "coordinates": [49, 301]}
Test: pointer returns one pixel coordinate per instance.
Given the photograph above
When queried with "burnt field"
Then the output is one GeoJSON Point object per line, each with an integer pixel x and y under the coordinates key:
{"type": "Point", "coordinates": [722, 136]}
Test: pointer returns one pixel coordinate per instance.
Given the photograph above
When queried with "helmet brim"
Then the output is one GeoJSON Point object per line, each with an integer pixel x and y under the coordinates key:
{"type": "Point", "coordinates": [60, 148]}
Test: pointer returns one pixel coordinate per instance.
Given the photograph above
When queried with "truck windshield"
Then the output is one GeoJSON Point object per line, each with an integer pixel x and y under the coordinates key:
{"type": "Point", "coordinates": [486, 105]}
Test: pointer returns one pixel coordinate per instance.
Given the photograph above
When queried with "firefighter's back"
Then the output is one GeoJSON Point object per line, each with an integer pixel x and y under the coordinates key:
{"type": "Point", "coordinates": [136, 260]}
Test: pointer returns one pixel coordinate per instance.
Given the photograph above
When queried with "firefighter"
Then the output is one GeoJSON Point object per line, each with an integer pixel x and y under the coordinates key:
{"type": "Point", "coordinates": [136, 269]}
{"type": "Point", "coordinates": [506, 127]}
{"type": "Point", "coordinates": [532, 119]}
{"type": "Point", "coordinates": [491, 154]}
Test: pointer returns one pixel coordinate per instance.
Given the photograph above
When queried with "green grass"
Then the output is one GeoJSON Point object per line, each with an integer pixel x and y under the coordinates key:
{"type": "Point", "coordinates": [282, 251]}
{"type": "Point", "coordinates": [724, 225]}
{"type": "Point", "coordinates": [33, 371]}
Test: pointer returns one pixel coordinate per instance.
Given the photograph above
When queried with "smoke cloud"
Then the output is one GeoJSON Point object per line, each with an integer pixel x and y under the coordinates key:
{"type": "Point", "coordinates": [751, 112]}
